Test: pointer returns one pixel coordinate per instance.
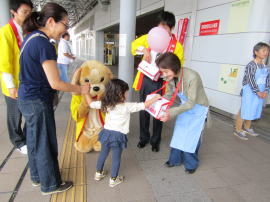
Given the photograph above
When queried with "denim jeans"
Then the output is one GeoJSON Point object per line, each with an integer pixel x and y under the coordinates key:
{"type": "Point", "coordinates": [41, 143]}
{"type": "Point", "coordinates": [190, 160]}
{"type": "Point", "coordinates": [116, 159]}
{"type": "Point", "coordinates": [14, 123]}
{"type": "Point", "coordinates": [63, 72]}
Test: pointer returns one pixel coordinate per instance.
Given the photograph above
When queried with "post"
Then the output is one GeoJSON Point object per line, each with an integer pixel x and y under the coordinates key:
{"type": "Point", "coordinates": [4, 14]}
{"type": "Point", "coordinates": [126, 36]}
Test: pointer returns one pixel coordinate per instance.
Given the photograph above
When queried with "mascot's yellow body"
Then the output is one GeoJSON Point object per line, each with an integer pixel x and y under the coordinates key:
{"type": "Point", "coordinates": [89, 122]}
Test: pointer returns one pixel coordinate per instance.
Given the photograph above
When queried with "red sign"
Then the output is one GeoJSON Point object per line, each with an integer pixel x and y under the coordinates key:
{"type": "Point", "coordinates": [209, 28]}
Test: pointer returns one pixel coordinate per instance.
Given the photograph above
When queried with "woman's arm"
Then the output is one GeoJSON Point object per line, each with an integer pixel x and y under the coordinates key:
{"type": "Point", "coordinates": [52, 73]}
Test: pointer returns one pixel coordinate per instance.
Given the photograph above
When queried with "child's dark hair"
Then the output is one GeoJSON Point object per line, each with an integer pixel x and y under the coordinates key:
{"type": "Point", "coordinates": [166, 18]}
{"type": "Point", "coordinates": [38, 19]}
{"type": "Point", "coordinates": [259, 46]}
{"type": "Point", "coordinates": [15, 4]}
{"type": "Point", "coordinates": [169, 61]}
{"type": "Point", "coordinates": [114, 94]}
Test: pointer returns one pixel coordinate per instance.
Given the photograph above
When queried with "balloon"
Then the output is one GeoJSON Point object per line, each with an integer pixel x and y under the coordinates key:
{"type": "Point", "coordinates": [158, 39]}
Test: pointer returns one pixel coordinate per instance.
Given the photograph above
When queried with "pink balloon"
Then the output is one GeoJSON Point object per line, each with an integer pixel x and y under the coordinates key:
{"type": "Point", "coordinates": [158, 39]}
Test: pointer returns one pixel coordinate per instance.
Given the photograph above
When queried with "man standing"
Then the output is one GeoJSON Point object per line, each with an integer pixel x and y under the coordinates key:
{"type": "Point", "coordinates": [64, 57]}
{"type": "Point", "coordinates": [147, 86]}
{"type": "Point", "coordinates": [11, 37]}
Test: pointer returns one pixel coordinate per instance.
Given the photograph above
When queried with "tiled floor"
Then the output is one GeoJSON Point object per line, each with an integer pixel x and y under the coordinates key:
{"type": "Point", "coordinates": [231, 170]}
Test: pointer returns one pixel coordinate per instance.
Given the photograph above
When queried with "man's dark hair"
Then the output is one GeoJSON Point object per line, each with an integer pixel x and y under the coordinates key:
{"type": "Point", "coordinates": [170, 61]}
{"type": "Point", "coordinates": [65, 34]}
{"type": "Point", "coordinates": [166, 18]}
{"type": "Point", "coordinates": [15, 4]}
{"type": "Point", "coordinates": [258, 46]}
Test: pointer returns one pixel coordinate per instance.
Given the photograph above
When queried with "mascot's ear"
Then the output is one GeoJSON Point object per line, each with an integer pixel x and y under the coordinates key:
{"type": "Point", "coordinates": [110, 74]}
{"type": "Point", "coordinates": [76, 77]}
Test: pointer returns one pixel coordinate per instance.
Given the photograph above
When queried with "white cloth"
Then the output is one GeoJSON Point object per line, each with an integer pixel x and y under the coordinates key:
{"type": "Point", "coordinates": [63, 47]}
{"type": "Point", "coordinates": [19, 29]}
{"type": "Point", "coordinates": [118, 118]}
{"type": "Point", "coordinates": [8, 78]}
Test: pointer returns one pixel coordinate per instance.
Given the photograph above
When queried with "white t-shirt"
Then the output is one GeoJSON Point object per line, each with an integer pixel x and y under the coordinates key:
{"type": "Point", "coordinates": [63, 47]}
{"type": "Point", "coordinates": [118, 118]}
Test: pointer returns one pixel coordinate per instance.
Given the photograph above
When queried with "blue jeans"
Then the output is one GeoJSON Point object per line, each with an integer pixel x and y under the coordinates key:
{"type": "Point", "coordinates": [116, 159]}
{"type": "Point", "coordinates": [190, 160]}
{"type": "Point", "coordinates": [63, 72]}
{"type": "Point", "coordinates": [41, 143]}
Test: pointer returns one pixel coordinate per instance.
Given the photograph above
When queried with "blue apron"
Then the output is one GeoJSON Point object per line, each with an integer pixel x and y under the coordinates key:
{"type": "Point", "coordinates": [252, 104]}
{"type": "Point", "coordinates": [188, 127]}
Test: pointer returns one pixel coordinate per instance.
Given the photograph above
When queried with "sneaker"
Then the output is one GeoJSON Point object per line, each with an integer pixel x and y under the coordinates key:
{"type": "Point", "coordinates": [117, 181]}
{"type": "Point", "coordinates": [35, 184]}
{"type": "Point", "coordinates": [22, 149]}
{"type": "Point", "coordinates": [241, 135]}
{"type": "Point", "coordinates": [251, 132]}
{"type": "Point", "coordinates": [100, 175]}
{"type": "Point", "coordinates": [63, 187]}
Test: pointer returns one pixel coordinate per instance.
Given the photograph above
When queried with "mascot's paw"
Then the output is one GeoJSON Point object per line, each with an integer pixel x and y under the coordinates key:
{"type": "Point", "coordinates": [83, 144]}
{"type": "Point", "coordinates": [97, 146]}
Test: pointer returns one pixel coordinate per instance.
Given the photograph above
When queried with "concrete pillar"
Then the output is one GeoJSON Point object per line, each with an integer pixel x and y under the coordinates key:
{"type": "Point", "coordinates": [4, 14]}
{"type": "Point", "coordinates": [99, 46]}
{"type": "Point", "coordinates": [127, 35]}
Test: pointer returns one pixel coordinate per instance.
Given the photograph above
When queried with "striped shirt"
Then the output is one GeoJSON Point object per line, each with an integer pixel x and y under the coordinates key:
{"type": "Point", "coordinates": [249, 76]}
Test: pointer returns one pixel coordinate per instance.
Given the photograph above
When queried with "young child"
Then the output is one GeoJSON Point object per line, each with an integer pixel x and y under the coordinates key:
{"type": "Point", "coordinates": [113, 136]}
{"type": "Point", "coordinates": [255, 90]}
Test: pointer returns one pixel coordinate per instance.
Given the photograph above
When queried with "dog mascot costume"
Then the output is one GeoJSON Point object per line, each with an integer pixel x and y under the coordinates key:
{"type": "Point", "coordinates": [89, 122]}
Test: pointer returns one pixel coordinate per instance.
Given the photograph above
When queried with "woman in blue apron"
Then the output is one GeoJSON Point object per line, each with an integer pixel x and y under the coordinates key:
{"type": "Point", "coordinates": [254, 91]}
{"type": "Point", "coordinates": [190, 107]}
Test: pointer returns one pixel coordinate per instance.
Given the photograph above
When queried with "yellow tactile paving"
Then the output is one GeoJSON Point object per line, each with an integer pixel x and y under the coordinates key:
{"type": "Point", "coordinates": [72, 166]}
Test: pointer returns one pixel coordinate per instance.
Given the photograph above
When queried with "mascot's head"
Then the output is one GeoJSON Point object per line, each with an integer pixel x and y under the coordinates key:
{"type": "Point", "coordinates": [94, 73]}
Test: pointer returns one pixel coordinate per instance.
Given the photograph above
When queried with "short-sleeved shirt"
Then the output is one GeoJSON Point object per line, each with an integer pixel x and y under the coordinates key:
{"type": "Point", "coordinates": [33, 80]}
{"type": "Point", "coordinates": [63, 47]}
{"type": "Point", "coordinates": [118, 118]}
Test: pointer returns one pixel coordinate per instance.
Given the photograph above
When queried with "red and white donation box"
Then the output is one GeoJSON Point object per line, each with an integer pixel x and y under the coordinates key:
{"type": "Point", "coordinates": [150, 69]}
{"type": "Point", "coordinates": [158, 108]}
{"type": "Point", "coordinates": [209, 28]}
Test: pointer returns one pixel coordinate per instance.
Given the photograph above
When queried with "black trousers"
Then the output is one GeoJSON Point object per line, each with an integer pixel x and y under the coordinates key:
{"type": "Point", "coordinates": [148, 86]}
{"type": "Point", "coordinates": [14, 122]}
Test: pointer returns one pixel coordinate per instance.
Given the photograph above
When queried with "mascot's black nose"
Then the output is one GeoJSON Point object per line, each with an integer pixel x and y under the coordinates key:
{"type": "Point", "coordinates": [96, 88]}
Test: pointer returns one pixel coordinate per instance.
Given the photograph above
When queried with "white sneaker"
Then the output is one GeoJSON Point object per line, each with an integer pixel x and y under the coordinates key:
{"type": "Point", "coordinates": [117, 181]}
{"type": "Point", "coordinates": [241, 135]}
{"type": "Point", "coordinates": [251, 132]}
{"type": "Point", "coordinates": [99, 176]}
{"type": "Point", "coordinates": [23, 149]}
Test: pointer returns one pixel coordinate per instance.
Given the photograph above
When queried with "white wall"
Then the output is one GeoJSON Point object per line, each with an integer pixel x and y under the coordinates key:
{"type": "Point", "coordinates": [207, 54]}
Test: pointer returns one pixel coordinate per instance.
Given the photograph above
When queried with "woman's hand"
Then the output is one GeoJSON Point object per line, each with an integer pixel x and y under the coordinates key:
{"type": "Point", "coordinates": [260, 94]}
{"type": "Point", "coordinates": [165, 117]}
{"type": "Point", "coordinates": [84, 89]}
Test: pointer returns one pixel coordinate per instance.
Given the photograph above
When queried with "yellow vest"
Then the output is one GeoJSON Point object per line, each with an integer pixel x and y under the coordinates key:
{"type": "Point", "coordinates": [9, 56]}
{"type": "Point", "coordinates": [142, 41]}
{"type": "Point", "coordinates": [75, 102]}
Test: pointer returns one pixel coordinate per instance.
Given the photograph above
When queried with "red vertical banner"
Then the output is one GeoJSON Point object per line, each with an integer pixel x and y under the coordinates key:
{"type": "Point", "coordinates": [182, 30]}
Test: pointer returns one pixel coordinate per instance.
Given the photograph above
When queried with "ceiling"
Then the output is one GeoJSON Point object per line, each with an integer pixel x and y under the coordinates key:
{"type": "Point", "coordinates": [77, 9]}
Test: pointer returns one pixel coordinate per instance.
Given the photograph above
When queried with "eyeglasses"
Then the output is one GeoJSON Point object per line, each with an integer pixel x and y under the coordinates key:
{"type": "Point", "coordinates": [66, 26]}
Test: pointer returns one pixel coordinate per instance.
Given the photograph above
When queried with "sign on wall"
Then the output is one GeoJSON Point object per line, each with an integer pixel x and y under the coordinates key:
{"type": "Point", "coordinates": [228, 78]}
{"type": "Point", "coordinates": [209, 28]}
